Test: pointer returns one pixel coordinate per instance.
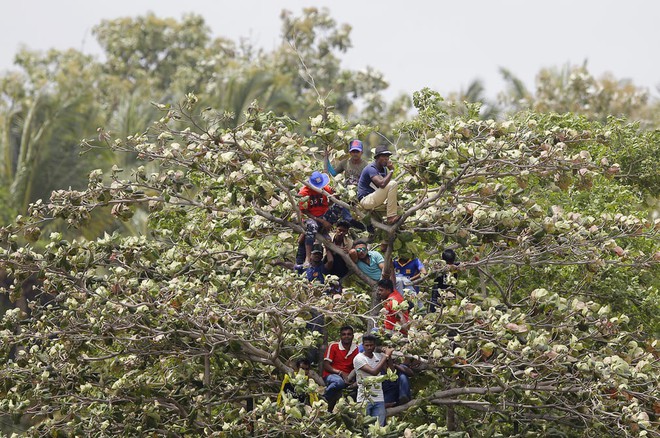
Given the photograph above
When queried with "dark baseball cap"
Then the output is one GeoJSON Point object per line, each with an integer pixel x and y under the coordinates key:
{"type": "Point", "coordinates": [355, 145]}
{"type": "Point", "coordinates": [382, 150]}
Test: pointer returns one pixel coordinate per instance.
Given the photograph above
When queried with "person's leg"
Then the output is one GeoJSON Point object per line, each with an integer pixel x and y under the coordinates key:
{"type": "Point", "coordinates": [358, 225]}
{"type": "Point", "coordinates": [335, 211]}
{"type": "Point", "coordinates": [378, 411]}
{"type": "Point", "coordinates": [346, 215]}
{"type": "Point", "coordinates": [390, 392]}
{"type": "Point", "coordinates": [300, 253]}
{"type": "Point", "coordinates": [374, 200]}
{"type": "Point", "coordinates": [392, 204]}
{"type": "Point", "coordinates": [311, 228]}
{"type": "Point", "coordinates": [435, 294]}
{"type": "Point", "coordinates": [369, 410]}
{"type": "Point", "coordinates": [404, 389]}
{"type": "Point", "coordinates": [333, 387]}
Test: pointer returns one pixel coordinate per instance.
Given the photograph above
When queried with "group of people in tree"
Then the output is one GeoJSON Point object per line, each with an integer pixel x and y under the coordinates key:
{"type": "Point", "coordinates": [349, 365]}
{"type": "Point", "coordinates": [346, 364]}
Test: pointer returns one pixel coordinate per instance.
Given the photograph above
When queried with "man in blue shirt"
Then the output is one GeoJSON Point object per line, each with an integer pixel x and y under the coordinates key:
{"type": "Point", "coordinates": [369, 262]}
{"type": "Point", "coordinates": [409, 267]}
{"type": "Point", "coordinates": [376, 186]}
{"type": "Point", "coordinates": [317, 269]}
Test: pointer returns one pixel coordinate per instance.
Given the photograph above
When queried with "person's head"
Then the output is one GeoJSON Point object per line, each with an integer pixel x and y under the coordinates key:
{"type": "Point", "coordinates": [405, 257]}
{"type": "Point", "coordinates": [346, 335]}
{"type": "Point", "coordinates": [343, 227]}
{"type": "Point", "coordinates": [382, 155]}
{"type": "Point", "coordinates": [360, 247]}
{"type": "Point", "coordinates": [319, 179]}
{"type": "Point", "coordinates": [385, 288]}
{"type": "Point", "coordinates": [369, 343]}
{"type": "Point", "coordinates": [449, 256]}
{"type": "Point", "coordinates": [317, 254]}
{"type": "Point", "coordinates": [355, 149]}
{"type": "Point", "coordinates": [302, 364]}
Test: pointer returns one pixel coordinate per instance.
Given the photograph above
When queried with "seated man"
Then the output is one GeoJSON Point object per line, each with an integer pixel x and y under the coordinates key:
{"type": "Point", "coordinates": [338, 365]}
{"type": "Point", "coordinates": [369, 364]}
{"type": "Point", "coordinates": [391, 299]}
{"type": "Point", "coordinates": [442, 282]}
{"type": "Point", "coordinates": [371, 263]}
{"type": "Point", "coordinates": [289, 389]}
{"type": "Point", "coordinates": [321, 215]}
{"type": "Point", "coordinates": [410, 267]}
{"type": "Point", "coordinates": [317, 270]}
{"type": "Point", "coordinates": [398, 392]}
{"type": "Point", "coordinates": [342, 240]}
{"type": "Point", "coordinates": [376, 186]}
{"type": "Point", "coordinates": [407, 269]}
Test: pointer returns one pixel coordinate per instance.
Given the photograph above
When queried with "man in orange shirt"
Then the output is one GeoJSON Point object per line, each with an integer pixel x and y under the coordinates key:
{"type": "Point", "coordinates": [391, 298]}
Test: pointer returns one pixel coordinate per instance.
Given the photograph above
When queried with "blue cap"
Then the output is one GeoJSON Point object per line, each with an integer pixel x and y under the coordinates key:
{"type": "Point", "coordinates": [355, 145]}
{"type": "Point", "coordinates": [319, 180]}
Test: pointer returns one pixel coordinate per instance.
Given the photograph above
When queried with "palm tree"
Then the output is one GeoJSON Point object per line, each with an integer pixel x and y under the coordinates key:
{"type": "Point", "coordinates": [235, 94]}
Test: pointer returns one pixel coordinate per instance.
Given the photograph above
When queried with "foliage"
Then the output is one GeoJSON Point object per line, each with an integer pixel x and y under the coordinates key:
{"type": "Point", "coordinates": [173, 332]}
{"type": "Point", "coordinates": [44, 111]}
{"type": "Point", "coordinates": [574, 89]}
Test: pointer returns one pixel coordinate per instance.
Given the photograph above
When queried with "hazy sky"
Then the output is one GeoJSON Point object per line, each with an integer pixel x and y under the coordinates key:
{"type": "Point", "coordinates": [440, 44]}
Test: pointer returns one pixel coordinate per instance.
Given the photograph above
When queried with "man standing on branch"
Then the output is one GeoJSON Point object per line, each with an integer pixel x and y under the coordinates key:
{"type": "Point", "coordinates": [376, 186]}
{"type": "Point", "coordinates": [352, 167]}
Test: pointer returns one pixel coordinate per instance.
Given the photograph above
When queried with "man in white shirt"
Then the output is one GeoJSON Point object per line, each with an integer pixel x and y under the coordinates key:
{"type": "Point", "coordinates": [370, 364]}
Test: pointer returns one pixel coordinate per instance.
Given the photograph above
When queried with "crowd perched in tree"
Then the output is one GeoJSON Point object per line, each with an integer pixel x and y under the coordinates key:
{"type": "Point", "coordinates": [283, 267]}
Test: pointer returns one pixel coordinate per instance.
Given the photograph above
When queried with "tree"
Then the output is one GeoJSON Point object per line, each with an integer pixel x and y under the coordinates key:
{"type": "Point", "coordinates": [574, 89]}
{"type": "Point", "coordinates": [45, 111]}
{"type": "Point", "coordinates": [177, 332]}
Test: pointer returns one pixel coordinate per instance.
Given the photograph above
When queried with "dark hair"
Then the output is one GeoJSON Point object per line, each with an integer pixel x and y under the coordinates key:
{"type": "Point", "coordinates": [360, 242]}
{"type": "Point", "coordinates": [386, 283]}
{"type": "Point", "coordinates": [345, 327]}
{"type": "Point", "coordinates": [449, 256]}
{"type": "Point", "coordinates": [303, 360]}
{"type": "Point", "coordinates": [371, 338]}
{"type": "Point", "coordinates": [343, 223]}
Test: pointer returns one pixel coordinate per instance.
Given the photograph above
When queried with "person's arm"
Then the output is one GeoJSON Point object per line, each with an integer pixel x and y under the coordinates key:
{"type": "Point", "coordinates": [421, 271]}
{"type": "Point", "coordinates": [331, 170]}
{"type": "Point", "coordinates": [403, 368]}
{"type": "Point", "coordinates": [285, 264]}
{"type": "Point", "coordinates": [380, 261]}
{"type": "Point", "coordinates": [381, 181]}
{"type": "Point", "coordinates": [374, 371]}
{"type": "Point", "coordinates": [330, 259]}
{"type": "Point", "coordinates": [348, 244]}
{"type": "Point", "coordinates": [327, 366]}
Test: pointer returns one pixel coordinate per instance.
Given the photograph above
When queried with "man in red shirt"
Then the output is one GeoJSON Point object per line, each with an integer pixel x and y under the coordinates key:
{"type": "Point", "coordinates": [320, 212]}
{"type": "Point", "coordinates": [391, 298]}
{"type": "Point", "coordinates": [338, 365]}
